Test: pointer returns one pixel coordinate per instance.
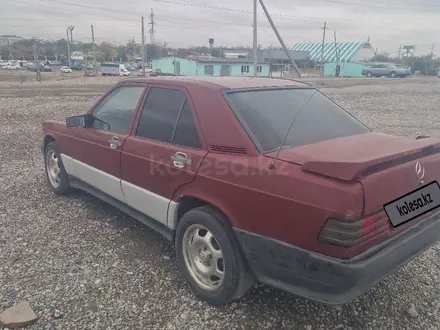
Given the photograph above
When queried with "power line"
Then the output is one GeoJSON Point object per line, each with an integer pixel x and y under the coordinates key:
{"type": "Point", "coordinates": [202, 6]}
{"type": "Point", "coordinates": [386, 5]}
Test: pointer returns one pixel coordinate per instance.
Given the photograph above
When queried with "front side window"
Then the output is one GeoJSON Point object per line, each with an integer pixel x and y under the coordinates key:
{"type": "Point", "coordinates": [116, 110]}
{"type": "Point", "coordinates": [268, 114]}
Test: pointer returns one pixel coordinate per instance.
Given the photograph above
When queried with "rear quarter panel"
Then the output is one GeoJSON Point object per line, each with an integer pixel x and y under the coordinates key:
{"type": "Point", "coordinates": [285, 203]}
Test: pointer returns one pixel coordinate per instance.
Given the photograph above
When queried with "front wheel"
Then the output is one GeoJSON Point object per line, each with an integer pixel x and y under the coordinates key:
{"type": "Point", "coordinates": [393, 75]}
{"type": "Point", "coordinates": [369, 75]}
{"type": "Point", "coordinates": [210, 258]}
{"type": "Point", "coordinates": [56, 175]}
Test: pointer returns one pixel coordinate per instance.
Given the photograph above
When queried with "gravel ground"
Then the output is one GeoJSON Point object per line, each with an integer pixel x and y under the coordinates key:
{"type": "Point", "coordinates": [103, 270]}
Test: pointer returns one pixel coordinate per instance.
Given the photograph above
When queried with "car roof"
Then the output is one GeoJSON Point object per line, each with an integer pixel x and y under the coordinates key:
{"type": "Point", "coordinates": [225, 82]}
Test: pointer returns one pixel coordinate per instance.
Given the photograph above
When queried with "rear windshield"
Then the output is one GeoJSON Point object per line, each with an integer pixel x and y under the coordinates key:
{"type": "Point", "coordinates": [268, 114]}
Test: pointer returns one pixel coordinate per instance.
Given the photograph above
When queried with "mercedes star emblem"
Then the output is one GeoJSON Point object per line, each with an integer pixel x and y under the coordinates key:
{"type": "Point", "coordinates": [420, 171]}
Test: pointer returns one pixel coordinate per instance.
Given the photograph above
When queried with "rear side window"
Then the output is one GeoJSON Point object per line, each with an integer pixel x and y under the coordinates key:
{"type": "Point", "coordinates": [167, 117]}
{"type": "Point", "coordinates": [268, 114]}
{"type": "Point", "coordinates": [186, 131]}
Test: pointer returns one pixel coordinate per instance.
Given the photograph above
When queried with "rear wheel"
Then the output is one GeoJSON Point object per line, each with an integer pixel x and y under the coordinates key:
{"type": "Point", "coordinates": [210, 258]}
{"type": "Point", "coordinates": [56, 175]}
{"type": "Point", "coordinates": [393, 75]}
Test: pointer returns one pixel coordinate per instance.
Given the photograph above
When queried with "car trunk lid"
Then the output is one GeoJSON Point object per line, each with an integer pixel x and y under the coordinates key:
{"type": "Point", "coordinates": [383, 164]}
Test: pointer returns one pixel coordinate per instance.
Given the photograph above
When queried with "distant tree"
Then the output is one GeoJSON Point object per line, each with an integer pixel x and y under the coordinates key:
{"type": "Point", "coordinates": [108, 49]}
{"type": "Point", "coordinates": [61, 47]}
{"type": "Point", "coordinates": [384, 57]}
{"type": "Point", "coordinates": [20, 51]}
{"type": "Point", "coordinates": [5, 53]}
{"type": "Point", "coordinates": [122, 53]}
{"type": "Point", "coordinates": [152, 51]}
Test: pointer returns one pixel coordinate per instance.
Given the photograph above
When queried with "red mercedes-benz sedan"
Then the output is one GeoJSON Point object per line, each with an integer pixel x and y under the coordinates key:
{"type": "Point", "coordinates": [254, 179]}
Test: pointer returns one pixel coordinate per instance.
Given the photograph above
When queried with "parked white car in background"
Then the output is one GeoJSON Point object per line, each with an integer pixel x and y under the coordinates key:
{"type": "Point", "coordinates": [66, 69]}
{"type": "Point", "coordinates": [14, 66]}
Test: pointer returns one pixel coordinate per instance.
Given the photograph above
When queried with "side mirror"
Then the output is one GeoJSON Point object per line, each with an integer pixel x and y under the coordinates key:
{"type": "Point", "coordinates": [78, 121]}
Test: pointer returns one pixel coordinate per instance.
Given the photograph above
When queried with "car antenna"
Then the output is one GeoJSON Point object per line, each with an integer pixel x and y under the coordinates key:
{"type": "Point", "coordinates": [272, 165]}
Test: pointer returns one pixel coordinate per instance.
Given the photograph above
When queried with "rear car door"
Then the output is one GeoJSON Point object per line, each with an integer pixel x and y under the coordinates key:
{"type": "Point", "coordinates": [96, 151]}
{"type": "Point", "coordinates": [163, 153]}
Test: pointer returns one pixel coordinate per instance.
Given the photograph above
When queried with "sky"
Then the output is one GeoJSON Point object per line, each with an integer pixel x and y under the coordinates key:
{"type": "Point", "coordinates": [186, 23]}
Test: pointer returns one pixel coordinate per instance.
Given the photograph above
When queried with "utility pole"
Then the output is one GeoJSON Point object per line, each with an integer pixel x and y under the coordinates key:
{"type": "Point", "coordinates": [68, 47]}
{"type": "Point", "coordinates": [337, 55]}
{"type": "Point", "coordinates": [153, 24]}
{"type": "Point", "coordinates": [322, 48]}
{"type": "Point", "coordinates": [432, 50]}
{"type": "Point", "coordinates": [133, 42]}
{"type": "Point", "coordinates": [143, 46]}
{"type": "Point", "coordinates": [274, 28]}
{"type": "Point", "coordinates": [254, 26]}
{"type": "Point", "coordinates": [94, 50]}
{"type": "Point", "coordinates": [36, 58]}
{"type": "Point", "coordinates": [375, 54]}
{"type": "Point", "coordinates": [71, 27]}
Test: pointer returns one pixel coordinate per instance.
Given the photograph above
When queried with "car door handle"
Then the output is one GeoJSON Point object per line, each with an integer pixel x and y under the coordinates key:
{"type": "Point", "coordinates": [114, 142]}
{"type": "Point", "coordinates": [180, 159]}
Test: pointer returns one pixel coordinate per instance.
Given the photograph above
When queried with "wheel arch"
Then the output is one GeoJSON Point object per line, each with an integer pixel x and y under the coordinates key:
{"type": "Point", "coordinates": [48, 138]}
{"type": "Point", "coordinates": [187, 203]}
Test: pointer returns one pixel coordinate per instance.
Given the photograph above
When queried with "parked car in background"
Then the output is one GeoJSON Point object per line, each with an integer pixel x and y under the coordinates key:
{"type": "Point", "coordinates": [90, 72]}
{"type": "Point", "coordinates": [3, 64]}
{"type": "Point", "coordinates": [32, 67]}
{"type": "Point", "coordinates": [254, 179]}
{"type": "Point", "coordinates": [77, 67]}
{"type": "Point", "coordinates": [46, 68]}
{"type": "Point", "coordinates": [114, 69]}
{"type": "Point", "coordinates": [12, 66]}
{"type": "Point", "coordinates": [129, 67]}
{"type": "Point", "coordinates": [386, 70]}
{"type": "Point", "coordinates": [66, 69]}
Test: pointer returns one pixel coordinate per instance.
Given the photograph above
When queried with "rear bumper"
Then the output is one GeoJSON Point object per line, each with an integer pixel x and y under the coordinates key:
{"type": "Point", "coordinates": [331, 280]}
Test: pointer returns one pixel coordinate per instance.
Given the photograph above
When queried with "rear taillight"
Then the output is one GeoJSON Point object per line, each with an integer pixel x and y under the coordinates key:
{"type": "Point", "coordinates": [348, 234]}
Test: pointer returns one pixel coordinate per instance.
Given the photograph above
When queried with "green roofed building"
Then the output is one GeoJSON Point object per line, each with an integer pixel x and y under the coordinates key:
{"type": "Point", "coordinates": [352, 56]}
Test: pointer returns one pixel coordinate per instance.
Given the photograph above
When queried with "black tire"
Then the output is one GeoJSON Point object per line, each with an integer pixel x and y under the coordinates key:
{"type": "Point", "coordinates": [238, 278]}
{"type": "Point", "coordinates": [369, 74]}
{"type": "Point", "coordinates": [64, 184]}
{"type": "Point", "coordinates": [393, 74]}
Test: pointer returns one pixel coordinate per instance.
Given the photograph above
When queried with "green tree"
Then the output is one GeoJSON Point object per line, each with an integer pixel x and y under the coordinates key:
{"type": "Point", "coordinates": [5, 53]}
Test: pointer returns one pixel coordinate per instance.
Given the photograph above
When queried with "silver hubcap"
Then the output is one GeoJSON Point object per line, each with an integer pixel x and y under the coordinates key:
{"type": "Point", "coordinates": [203, 257]}
{"type": "Point", "coordinates": [53, 169]}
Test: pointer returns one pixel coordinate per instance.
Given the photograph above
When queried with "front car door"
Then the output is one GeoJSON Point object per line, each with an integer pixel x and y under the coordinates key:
{"type": "Point", "coordinates": [163, 153]}
{"type": "Point", "coordinates": [96, 152]}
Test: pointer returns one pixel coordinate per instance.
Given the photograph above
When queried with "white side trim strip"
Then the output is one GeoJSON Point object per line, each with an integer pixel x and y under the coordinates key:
{"type": "Point", "coordinates": [147, 202]}
{"type": "Point", "coordinates": [172, 215]}
{"type": "Point", "coordinates": [68, 165]}
{"type": "Point", "coordinates": [105, 182]}
{"type": "Point", "coordinates": [155, 206]}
